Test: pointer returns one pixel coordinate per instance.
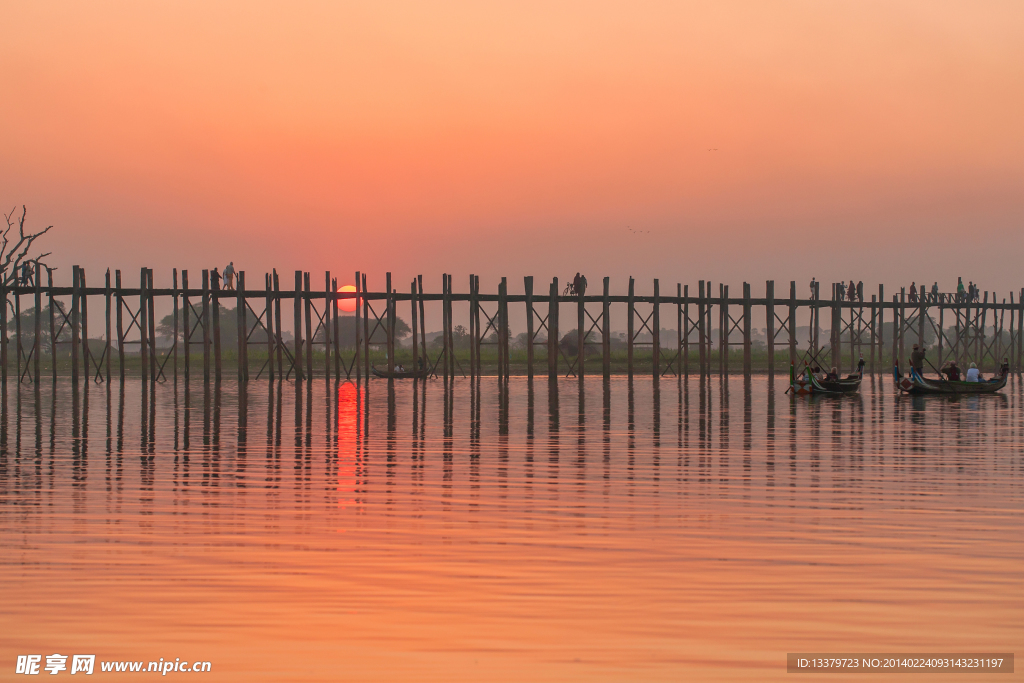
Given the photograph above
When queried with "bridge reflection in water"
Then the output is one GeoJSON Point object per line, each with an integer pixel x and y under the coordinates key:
{"type": "Point", "coordinates": [512, 530]}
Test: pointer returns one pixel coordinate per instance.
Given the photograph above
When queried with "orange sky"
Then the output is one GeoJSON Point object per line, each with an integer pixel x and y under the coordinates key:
{"type": "Point", "coordinates": [879, 141]}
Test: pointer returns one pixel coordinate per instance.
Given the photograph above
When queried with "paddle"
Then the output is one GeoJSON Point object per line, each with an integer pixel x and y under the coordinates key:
{"type": "Point", "coordinates": [937, 371]}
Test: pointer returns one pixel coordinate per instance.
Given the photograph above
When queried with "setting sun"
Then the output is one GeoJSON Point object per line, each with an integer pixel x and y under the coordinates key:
{"type": "Point", "coordinates": [347, 305]}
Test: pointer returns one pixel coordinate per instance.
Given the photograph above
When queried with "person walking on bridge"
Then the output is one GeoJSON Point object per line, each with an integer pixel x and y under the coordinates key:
{"type": "Point", "coordinates": [229, 276]}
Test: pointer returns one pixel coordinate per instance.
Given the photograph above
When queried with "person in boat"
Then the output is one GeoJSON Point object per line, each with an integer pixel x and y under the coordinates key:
{"type": "Point", "coordinates": [951, 371]}
{"type": "Point", "coordinates": [917, 360]}
{"type": "Point", "coordinates": [972, 373]}
{"type": "Point", "coordinates": [833, 376]}
{"type": "Point", "coordinates": [1004, 369]}
{"type": "Point", "coordinates": [399, 368]}
{"type": "Point", "coordinates": [860, 367]}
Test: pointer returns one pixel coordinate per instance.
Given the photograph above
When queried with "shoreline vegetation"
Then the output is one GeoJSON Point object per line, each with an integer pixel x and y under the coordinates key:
{"type": "Point", "coordinates": [642, 362]}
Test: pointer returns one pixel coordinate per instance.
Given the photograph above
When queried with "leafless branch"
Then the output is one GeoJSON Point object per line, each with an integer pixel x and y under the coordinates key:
{"type": "Point", "coordinates": [14, 257]}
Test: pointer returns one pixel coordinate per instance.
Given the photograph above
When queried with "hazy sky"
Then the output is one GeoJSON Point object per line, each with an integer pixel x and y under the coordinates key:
{"type": "Point", "coordinates": [879, 141]}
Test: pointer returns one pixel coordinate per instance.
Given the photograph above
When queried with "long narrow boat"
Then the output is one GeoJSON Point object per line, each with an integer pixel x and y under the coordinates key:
{"type": "Point", "coordinates": [405, 374]}
{"type": "Point", "coordinates": [914, 383]}
{"type": "Point", "coordinates": [807, 383]}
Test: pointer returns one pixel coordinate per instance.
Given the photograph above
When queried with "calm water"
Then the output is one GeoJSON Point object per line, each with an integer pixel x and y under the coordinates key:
{"type": "Point", "coordinates": [622, 534]}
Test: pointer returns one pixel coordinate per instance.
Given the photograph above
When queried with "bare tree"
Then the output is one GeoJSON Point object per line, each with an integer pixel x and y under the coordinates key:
{"type": "Point", "coordinates": [14, 255]}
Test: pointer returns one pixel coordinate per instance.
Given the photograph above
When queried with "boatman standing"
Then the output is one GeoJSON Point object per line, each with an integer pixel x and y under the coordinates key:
{"type": "Point", "coordinates": [917, 360]}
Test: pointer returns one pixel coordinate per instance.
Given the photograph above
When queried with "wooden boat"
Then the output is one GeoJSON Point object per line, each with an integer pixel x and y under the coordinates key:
{"type": "Point", "coordinates": [406, 374]}
{"type": "Point", "coordinates": [807, 383]}
{"type": "Point", "coordinates": [914, 383]}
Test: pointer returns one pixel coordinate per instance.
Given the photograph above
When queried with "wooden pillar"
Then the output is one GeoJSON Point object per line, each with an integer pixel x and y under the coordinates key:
{"type": "Point", "coordinates": [444, 326]}
{"type": "Point", "coordinates": [53, 325]}
{"type": "Point", "coordinates": [186, 324]}
{"type": "Point", "coordinates": [726, 325]}
{"type": "Point", "coordinates": [268, 318]}
{"type": "Point", "coordinates": [389, 328]}
{"type": "Point", "coordinates": [297, 320]}
{"type": "Point", "coordinates": [747, 360]}
{"type": "Point", "coordinates": [451, 322]}
{"type": "Point", "coordinates": [415, 327]}
{"type": "Point", "coordinates": [120, 324]}
{"type": "Point", "coordinates": [702, 352]}
{"type": "Point", "coordinates": [37, 347]}
{"type": "Point", "coordinates": [581, 324]}
{"type": "Point", "coordinates": [307, 304]}
{"type": "Point", "coordinates": [941, 336]}
{"type": "Point", "coordinates": [83, 304]}
{"type": "Point", "coordinates": [206, 326]}
{"type": "Point", "coordinates": [423, 325]}
{"type": "Point", "coordinates": [528, 290]}
{"type": "Point", "coordinates": [1011, 348]}
{"type": "Point", "coordinates": [979, 332]}
{"type": "Point", "coordinates": [75, 294]}
{"type": "Point", "coordinates": [630, 310]}
{"type": "Point", "coordinates": [834, 351]}
{"type": "Point", "coordinates": [969, 328]}
{"type": "Point", "coordinates": [150, 317]}
{"type": "Point", "coordinates": [553, 330]}
{"type": "Point", "coordinates": [656, 333]}
{"type": "Point", "coordinates": [474, 332]}
{"type": "Point", "coordinates": [791, 324]}
{"type": "Point", "coordinates": [684, 330]}
{"type": "Point", "coordinates": [874, 330]}
{"type": "Point", "coordinates": [895, 329]}
{"type": "Point", "coordinates": [853, 336]}
{"type": "Point", "coordinates": [174, 320]}
{"type": "Point", "coordinates": [769, 319]}
{"type": "Point", "coordinates": [141, 321]}
{"type": "Point", "coordinates": [241, 336]}
{"type": "Point", "coordinates": [215, 319]}
{"type": "Point", "coordinates": [902, 320]}
{"type": "Point", "coordinates": [239, 327]}
{"type": "Point", "coordinates": [357, 359]}
{"type": "Point", "coordinates": [723, 338]}
{"type": "Point", "coordinates": [244, 361]}
{"type": "Point", "coordinates": [366, 329]}
{"type": "Point", "coordinates": [606, 331]}
{"type": "Point", "coordinates": [921, 312]}
{"type": "Point", "coordinates": [503, 332]}
{"type": "Point", "coordinates": [328, 305]}
{"type": "Point", "coordinates": [816, 318]}
{"type": "Point", "coordinates": [880, 324]}
{"type": "Point", "coordinates": [278, 333]}
{"type": "Point", "coordinates": [337, 331]}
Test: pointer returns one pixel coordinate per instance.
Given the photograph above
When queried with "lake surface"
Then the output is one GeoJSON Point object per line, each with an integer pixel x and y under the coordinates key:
{"type": "Point", "coordinates": [625, 533]}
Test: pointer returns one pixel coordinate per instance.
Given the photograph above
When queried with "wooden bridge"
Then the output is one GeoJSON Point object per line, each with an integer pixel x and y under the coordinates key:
{"type": "Point", "coordinates": [711, 327]}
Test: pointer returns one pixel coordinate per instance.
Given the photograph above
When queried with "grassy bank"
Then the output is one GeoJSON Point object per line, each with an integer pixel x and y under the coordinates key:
{"type": "Point", "coordinates": [642, 362]}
